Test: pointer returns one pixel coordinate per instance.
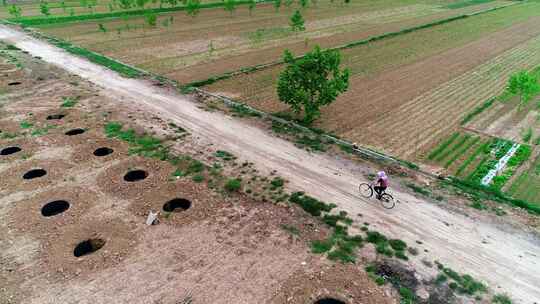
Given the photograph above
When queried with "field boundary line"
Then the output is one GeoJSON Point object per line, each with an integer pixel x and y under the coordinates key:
{"type": "Point", "coordinates": [362, 151]}
{"type": "Point", "coordinates": [38, 20]}
{"type": "Point", "coordinates": [251, 69]}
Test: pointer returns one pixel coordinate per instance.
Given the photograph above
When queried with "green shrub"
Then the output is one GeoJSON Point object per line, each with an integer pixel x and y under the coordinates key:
{"type": "Point", "coordinates": [441, 278]}
{"type": "Point", "coordinates": [309, 204]}
{"type": "Point", "coordinates": [401, 255]}
{"type": "Point", "coordinates": [480, 108]}
{"type": "Point", "coordinates": [398, 245]}
{"type": "Point", "coordinates": [501, 299]}
{"type": "Point", "coordinates": [69, 102]}
{"type": "Point", "coordinates": [224, 155]}
{"type": "Point", "coordinates": [26, 125]}
{"type": "Point", "coordinates": [198, 178]}
{"type": "Point", "coordinates": [407, 296]}
{"type": "Point", "coordinates": [277, 182]}
{"type": "Point", "coordinates": [375, 237]}
{"type": "Point", "coordinates": [323, 246]}
{"type": "Point", "coordinates": [233, 185]}
{"type": "Point", "coordinates": [195, 166]}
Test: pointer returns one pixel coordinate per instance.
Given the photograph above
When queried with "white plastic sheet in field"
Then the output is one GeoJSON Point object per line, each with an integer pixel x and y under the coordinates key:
{"type": "Point", "coordinates": [501, 164]}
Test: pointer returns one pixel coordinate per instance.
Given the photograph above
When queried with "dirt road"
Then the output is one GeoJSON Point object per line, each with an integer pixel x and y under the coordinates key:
{"type": "Point", "coordinates": [504, 257]}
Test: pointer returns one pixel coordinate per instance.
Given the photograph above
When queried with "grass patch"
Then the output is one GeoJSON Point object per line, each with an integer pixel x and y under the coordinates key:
{"type": "Point", "coordinates": [501, 299]}
{"type": "Point", "coordinates": [466, 3]}
{"type": "Point", "coordinates": [224, 155]}
{"type": "Point", "coordinates": [311, 143]}
{"type": "Point", "coordinates": [143, 145]}
{"type": "Point", "coordinates": [291, 229]}
{"type": "Point", "coordinates": [463, 284]}
{"type": "Point", "coordinates": [487, 193]}
{"type": "Point", "coordinates": [233, 185]}
{"type": "Point", "coordinates": [277, 182]}
{"type": "Point", "coordinates": [198, 178]}
{"type": "Point", "coordinates": [69, 102]}
{"type": "Point", "coordinates": [122, 69]}
{"type": "Point", "coordinates": [25, 124]}
{"type": "Point", "coordinates": [310, 204]}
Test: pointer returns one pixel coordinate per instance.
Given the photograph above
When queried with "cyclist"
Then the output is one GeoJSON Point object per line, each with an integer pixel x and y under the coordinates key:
{"type": "Point", "coordinates": [382, 184]}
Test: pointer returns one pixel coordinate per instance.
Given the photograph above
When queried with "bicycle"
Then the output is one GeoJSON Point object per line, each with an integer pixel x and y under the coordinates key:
{"type": "Point", "coordinates": [366, 190]}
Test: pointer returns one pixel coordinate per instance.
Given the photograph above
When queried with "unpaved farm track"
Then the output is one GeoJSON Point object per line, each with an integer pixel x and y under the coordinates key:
{"type": "Point", "coordinates": [504, 257]}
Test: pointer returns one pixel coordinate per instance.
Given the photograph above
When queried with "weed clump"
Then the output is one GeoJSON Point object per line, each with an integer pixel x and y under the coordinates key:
{"type": "Point", "coordinates": [233, 185]}
{"type": "Point", "coordinates": [501, 299]}
{"type": "Point", "coordinates": [310, 204]}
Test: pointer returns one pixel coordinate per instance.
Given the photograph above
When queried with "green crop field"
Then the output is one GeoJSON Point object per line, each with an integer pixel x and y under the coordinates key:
{"type": "Point", "coordinates": [527, 185]}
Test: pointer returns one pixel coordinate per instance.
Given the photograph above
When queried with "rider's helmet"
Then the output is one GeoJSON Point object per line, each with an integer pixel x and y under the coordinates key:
{"type": "Point", "coordinates": [381, 174]}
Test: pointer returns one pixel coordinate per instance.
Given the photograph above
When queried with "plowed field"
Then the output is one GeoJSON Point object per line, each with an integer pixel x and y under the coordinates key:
{"type": "Point", "coordinates": [410, 91]}
{"type": "Point", "coordinates": [215, 42]}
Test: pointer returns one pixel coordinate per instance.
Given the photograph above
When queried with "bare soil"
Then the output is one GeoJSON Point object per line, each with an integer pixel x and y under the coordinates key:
{"type": "Point", "coordinates": [501, 253]}
{"type": "Point", "coordinates": [223, 249]}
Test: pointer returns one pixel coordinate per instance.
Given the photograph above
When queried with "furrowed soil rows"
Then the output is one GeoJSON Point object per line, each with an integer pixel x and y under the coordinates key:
{"type": "Point", "coordinates": [31, 8]}
{"type": "Point", "coordinates": [377, 67]}
{"type": "Point", "coordinates": [440, 110]}
{"type": "Point", "coordinates": [191, 49]}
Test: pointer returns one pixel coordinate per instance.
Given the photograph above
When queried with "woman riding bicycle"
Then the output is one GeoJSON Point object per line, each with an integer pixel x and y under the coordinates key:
{"type": "Point", "coordinates": [382, 184]}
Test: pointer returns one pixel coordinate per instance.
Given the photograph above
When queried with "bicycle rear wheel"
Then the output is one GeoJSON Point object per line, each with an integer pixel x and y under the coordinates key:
{"type": "Point", "coordinates": [387, 201]}
{"type": "Point", "coordinates": [365, 190]}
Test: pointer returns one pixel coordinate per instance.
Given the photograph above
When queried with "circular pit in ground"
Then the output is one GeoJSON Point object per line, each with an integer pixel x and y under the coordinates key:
{"type": "Point", "coordinates": [103, 151]}
{"type": "Point", "coordinates": [87, 247]}
{"type": "Point", "coordinates": [34, 173]}
{"type": "Point", "coordinates": [135, 175]}
{"type": "Point", "coordinates": [176, 205]}
{"type": "Point", "coordinates": [329, 301]}
{"type": "Point", "coordinates": [9, 150]}
{"type": "Point", "coordinates": [54, 208]}
{"type": "Point", "coordinates": [75, 132]}
{"type": "Point", "coordinates": [55, 116]}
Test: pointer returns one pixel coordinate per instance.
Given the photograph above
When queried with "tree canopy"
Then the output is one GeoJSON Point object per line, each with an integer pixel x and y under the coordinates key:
{"type": "Point", "coordinates": [312, 81]}
{"type": "Point", "coordinates": [525, 85]}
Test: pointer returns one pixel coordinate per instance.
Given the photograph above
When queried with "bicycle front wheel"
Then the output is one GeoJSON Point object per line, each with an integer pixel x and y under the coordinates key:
{"type": "Point", "coordinates": [365, 190]}
{"type": "Point", "coordinates": [387, 201]}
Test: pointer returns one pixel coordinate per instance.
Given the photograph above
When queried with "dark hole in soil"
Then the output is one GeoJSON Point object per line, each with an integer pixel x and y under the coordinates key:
{"type": "Point", "coordinates": [54, 208]}
{"type": "Point", "coordinates": [35, 173]}
{"type": "Point", "coordinates": [177, 204]}
{"type": "Point", "coordinates": [10, 150]}
{"type": "Point", "coordinates": [55, 116]}
{"type": "Point", "coordinates": [104, 151]}
{"type": "Point", "coordinates": [135, 175]}
{"type": "Point", "coordinates": [13, 83]}
{"type": "Point", "coordinates": [329, 301]}
{"type": "Point", "coordinates": [74, 132]}
{"type": "Point", "coordinates": [88, 246]}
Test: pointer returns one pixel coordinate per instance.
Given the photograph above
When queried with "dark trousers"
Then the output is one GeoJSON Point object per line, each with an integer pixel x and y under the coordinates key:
{"type": "Point", "coordinates": [379, 189]}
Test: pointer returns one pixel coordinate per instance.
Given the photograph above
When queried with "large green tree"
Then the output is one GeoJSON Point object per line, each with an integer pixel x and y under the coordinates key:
{"type": "Point", "coordinates": [525, 85]}
{"type": "Point", "coordinates": [312, 81]}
